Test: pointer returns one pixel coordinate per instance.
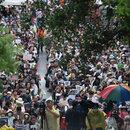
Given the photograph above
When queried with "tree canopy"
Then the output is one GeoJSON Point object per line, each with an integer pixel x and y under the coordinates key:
{"type": "Point", "coordinates": [99, 25]}
{"type": "Point", "coordinates": [7, 52]}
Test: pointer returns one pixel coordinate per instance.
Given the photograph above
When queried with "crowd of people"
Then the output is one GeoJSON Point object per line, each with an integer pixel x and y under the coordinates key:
{"type": "Point", "coordinates": [75, 103]}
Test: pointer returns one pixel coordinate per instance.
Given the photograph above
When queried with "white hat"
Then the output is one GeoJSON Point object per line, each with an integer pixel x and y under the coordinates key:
{"type": "Point", "coordinates": [59, 69]}
{"type": "Point", "coordinates": [19, 101]}
{"type": "Point", "coordinates": [111, 57]}
{"type": "Point", "coordinates": [124, 49]}
{"type": "Point", "coordinates": [9, 92]}
{"type": "Point", "coordinates": [123, 55]}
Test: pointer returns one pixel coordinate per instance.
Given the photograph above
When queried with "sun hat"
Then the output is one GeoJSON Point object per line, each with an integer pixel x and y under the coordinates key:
{"type": "Point", "coordinates": [19, 101]}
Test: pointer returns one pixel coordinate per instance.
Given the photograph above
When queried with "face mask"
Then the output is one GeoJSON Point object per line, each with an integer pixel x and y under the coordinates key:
{"type": "Point", "coordinates": [95, 110]}
{"type": "Point", "coordinates": [61, 85]}
{"type": "Point", "coordinates": [55, 64]}
{"type": "Point", "coordinates": [9, 114]}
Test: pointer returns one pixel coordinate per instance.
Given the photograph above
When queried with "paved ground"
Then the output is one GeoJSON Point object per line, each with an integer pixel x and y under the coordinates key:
{"type": "Point", "coordinates": [42, 71]}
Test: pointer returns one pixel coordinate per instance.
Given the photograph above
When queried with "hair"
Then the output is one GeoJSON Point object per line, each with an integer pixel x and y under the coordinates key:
{"type": "Point", "coordinates": [18, 108]}
{"type": "Point", "coordinates": [96, 105]}
{"type": "Point", "coordinates": [15, 120]}
{"type": "Point", "coordinates": [5, 108]}
{"type": "Point", "coordinates": [64, 94]}
{"type": "Point", "coordinates": [91, 93]}
{"type": "Point", "coordinates": [7, 103]}
{"type": "Point", "coordinates": [49, 101]}
{"type": "Point", "coordinates": [74, 104]}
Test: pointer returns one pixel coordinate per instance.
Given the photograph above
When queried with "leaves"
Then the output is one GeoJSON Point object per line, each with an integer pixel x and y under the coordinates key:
{"type": "Point", "coordinates": [98, 31]}
{"type": "Point", "coordinates": [7, 53]}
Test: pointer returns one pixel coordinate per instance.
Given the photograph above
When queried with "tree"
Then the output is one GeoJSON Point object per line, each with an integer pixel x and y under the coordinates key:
{"type": "Point", "coordinates": [122, 14]}
{"type": "Point", "coordinates": [1, 1]}
{"type": "Point", "coordinates": [98, 31]}
{"type": "Point", "coordinates": [7, 52]}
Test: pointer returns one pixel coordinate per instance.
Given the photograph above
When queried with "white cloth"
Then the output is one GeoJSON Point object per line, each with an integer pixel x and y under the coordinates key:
{"type": "Point", "coordinates": [10, 121]}
{"type": "Point", "coordinates": [35, 88]}
{"type": "Point", "coordinates": [64, 102]}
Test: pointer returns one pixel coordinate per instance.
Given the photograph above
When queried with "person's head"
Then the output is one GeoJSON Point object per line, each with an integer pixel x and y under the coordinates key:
{"type": "Point", "coordinates": [20, 82]}
{"type": "Point", "coordinates": [49, 104]}
{"type": "Point", "coordinates": [95, 107]}
{"type": "Point", "coordinates": [64, 96]}
{"type": "Point", "coordinates": [33, 120]}
{"type": "Point", "coordinates": [70, 101]}
{"type": "Point", "coordinates": [35, 98]}
{"type": "Point", "coordinates": [124, 108]}
{"type": "Point", "coordinates": [69, 69]}
{"type": "Point", "coordinates": [4, 93]}
{"type": "Point", "coordinates": [73, 75]}
{"type": "Point", "coordinates": [9, 113]}
{"type": "Point", "coordinates": [15, 92]}
{"type": "Point", "coordinates": [27, 91]}
{"type": "Point", "coordinates": [32, 82]}
{"type": "Point", "coordinates": [28, 85]}
{"type": "Point", "coordinates": [8, 104]}
{"type": "Point", "coordinates": [115, 114]}
{"type": "Point", "coordinates": [9, 94]}
{"type": "Point", "coordinates": [5, 109]}
{"type": "Point", "coordinates": [72, 64]}
{"type": "Point", "coordinates": [32, 104]}
{"type": "Point", "coordinates": [3, 115]}
{"type": "Point", "coordinates": [26, 116]}
{"type": "Point", "coordinates": [36, 105]}
{"type": "Point", "coordinates": [75, 104]}
{"type": "Point", "coordinates": [112, 61]}
{"type": "Point", "coordinates": [15, 121]}
{"type": "Point", "coordinates": [91, 93]}
{"type": "Point", "coordinates": [18, 109]}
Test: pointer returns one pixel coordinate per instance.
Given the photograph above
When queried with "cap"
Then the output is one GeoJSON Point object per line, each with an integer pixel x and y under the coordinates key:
{"type": "Point", "coordinates": [70, 100]}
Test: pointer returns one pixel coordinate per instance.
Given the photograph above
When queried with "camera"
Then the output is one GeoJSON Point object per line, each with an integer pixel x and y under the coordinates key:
{"type": "Point", "coordinates": [42, 107]}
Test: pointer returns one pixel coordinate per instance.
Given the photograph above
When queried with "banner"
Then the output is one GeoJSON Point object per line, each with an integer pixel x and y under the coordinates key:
{"type": "Point", "coordinates": [27, 57]}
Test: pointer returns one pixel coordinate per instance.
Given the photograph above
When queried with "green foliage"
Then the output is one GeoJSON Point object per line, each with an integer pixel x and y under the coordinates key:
{"type": "Point", "coordinates": [1, 86]}
{"type": "Point", "coordinates": [1, 1]}
{"type": "Point", "coordinates": [122, 13]}
{"type": "Point", "coordinates": [39, 4]}
{"type": "Point", "coordinates": [25, 20]}
{"type": "Point", "coordinates": [7, 53]}
{"type": "Point", "coordinates": [98, 31]}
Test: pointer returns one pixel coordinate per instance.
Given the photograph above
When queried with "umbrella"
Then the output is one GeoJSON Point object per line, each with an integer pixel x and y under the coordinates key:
{"type": "Point", "coordinates": [116, 93]}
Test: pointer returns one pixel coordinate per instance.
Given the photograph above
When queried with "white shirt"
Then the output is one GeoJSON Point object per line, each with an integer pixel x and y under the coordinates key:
{"type": "Point", "coordinates": [10, 121]}
{"type": "Point", "coordinates": [64, 102]}
{"type": "Point", "coordinates": [35, 88]}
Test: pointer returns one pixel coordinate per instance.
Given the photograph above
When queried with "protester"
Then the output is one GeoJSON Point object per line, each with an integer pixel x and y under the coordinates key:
{"type": "Point", "coordinates": [52, 117]}
{"type": "Point", "coordinates": [95, 119]}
